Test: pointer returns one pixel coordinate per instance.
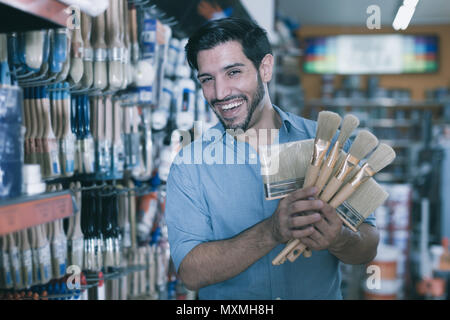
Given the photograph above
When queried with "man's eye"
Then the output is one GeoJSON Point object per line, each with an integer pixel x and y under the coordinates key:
{"type": "Point", "coordinates": [205, 80]}
{"type": "Point", "coordinates": [234, 72]}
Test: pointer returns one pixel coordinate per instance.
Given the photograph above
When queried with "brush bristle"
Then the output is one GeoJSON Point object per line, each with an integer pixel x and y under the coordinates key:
{"type": "Point", "coordinates": [327, 124]}
{"type": "Point", "coordinates": [363, 144]}
{"type": "Point", "coordinates": [367, 198]}
{"type": "Point", "coordinates": [349, 124]}
{"type": "Point", "coordinates": [286, 161]}
{"type": "Point", "coordinates": [381, 157]}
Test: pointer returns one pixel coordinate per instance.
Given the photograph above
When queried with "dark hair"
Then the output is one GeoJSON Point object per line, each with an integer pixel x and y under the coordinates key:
{"type": "Point", "coordinates": [253, 39]}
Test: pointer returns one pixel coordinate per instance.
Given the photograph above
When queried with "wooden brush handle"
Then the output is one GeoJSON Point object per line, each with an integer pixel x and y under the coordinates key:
{"type": "Point", "coordinates": [132, 17]}
{"type": "Point", "coordinates": [311, 176]}
{"type": "Point", "coordinates": [86, 27]}
{"type": "Point", "coordinates": [296, 252]}
{"type": "Point", "coordinates": [330, 190]}
{"type": "Point", "coordinates": [325, 173]}
{"type": "Point", "coordinates": [281, 257]}
{"type": "Point", "coordinates": [112, 24]}
{"type": "Point", "coordinates": [99, 32]}
{"type": "Point", "coordinates": [342, 195]}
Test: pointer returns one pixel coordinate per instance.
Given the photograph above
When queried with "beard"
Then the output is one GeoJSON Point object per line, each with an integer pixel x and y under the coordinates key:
{"type": "Point", "coordinates": [255, 101]}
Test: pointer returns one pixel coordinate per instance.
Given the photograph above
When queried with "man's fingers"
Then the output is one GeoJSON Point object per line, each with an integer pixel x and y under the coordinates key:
{"type": "Point", "coordinates": [302, 221]}
{"type": "Point", "coordinates": [305, 205]}
{"type": "Point", "coordinates": [303, 233]}
{"type": "Point", "coordinates": [301, 194]}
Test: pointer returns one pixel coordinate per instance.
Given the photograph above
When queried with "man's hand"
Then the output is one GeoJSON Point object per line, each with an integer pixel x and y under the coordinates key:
{"type": "Point", "coordinates": [327, 231]}
{"type": "Point", "coordinates": [295, 215]}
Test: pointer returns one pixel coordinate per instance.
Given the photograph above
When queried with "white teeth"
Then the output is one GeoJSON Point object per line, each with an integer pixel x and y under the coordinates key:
{"type": "Point", "coordinates": [231, 106]}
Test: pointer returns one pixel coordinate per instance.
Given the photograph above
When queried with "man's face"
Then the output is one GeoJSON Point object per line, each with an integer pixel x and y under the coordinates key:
{"type": "Point", "coordinates": [231, 84]}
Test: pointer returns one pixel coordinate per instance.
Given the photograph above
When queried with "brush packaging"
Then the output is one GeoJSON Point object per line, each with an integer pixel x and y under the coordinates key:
{"type": "Point", "coordinates": [11, 142]}
{"type": "Point", "coordinates": [185, 92]}
{"type": "Point", "coordinates": [26, 261]}
{"type": "Point", "coordinates": [161, 114]}
{"type": "Point", "coordinates": [283, 167]}
{"type": "Point", "coordinates": [34, 49]}
{"type": "Point", "coordinates": [59, 50]}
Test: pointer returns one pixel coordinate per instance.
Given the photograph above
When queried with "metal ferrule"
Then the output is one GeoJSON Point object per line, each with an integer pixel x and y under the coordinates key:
{"type": "Point", "coordinates": [276, 190]}
{"type": "Point", "coordinates": [346, 167]}
{"type": "Point", "coordinates": [334, 155]}
{"type": "Point", "coordinates": [320, 149]}
{"type": "Point", "coordinates": [352, 218]}
{"type": "Point", "coordinates": [361, 176]}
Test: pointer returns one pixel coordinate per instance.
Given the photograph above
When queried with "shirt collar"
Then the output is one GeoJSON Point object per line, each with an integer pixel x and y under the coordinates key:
{"type": "Point", "coordinates": [286, 119]}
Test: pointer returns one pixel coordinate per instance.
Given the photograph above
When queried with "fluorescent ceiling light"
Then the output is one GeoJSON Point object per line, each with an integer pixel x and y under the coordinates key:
{"type": "Point", "coordinates": [404, 14]}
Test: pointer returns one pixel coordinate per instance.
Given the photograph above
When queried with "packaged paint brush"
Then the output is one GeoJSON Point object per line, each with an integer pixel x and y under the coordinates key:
{"type": "Point", "coordinates": [75, 236]}
{"type": "Point", "coordinates": [6, 280]}
{"type": "Point", "coordinates": [88, 55]}
{"type": "Point", "coordinates": [26, 260]}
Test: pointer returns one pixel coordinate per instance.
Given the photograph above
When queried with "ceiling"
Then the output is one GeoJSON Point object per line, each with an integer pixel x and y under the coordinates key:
{"type": "Point", "coordinates": [353, 12]}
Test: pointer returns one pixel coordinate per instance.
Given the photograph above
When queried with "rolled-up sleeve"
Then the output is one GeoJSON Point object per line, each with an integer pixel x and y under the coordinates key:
{"type": "Point", "coordinates": [188, 221]}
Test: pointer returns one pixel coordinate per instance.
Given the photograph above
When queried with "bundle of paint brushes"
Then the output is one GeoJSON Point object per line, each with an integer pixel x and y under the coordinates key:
{"type": "Point", "coordinates": [343, 179]}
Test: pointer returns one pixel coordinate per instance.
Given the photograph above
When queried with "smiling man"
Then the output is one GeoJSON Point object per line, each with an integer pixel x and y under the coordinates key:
{"type": "Point", "coordinates": [223, 233]}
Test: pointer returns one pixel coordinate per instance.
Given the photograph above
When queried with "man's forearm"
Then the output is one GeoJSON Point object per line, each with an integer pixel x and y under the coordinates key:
{"type": "Point", "coordinates": [217, 261]}
{"type": "Point", "coordinates": [356, 248]}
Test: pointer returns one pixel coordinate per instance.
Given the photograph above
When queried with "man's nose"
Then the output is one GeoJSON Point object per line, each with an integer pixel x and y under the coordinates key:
{"type": "Point", "coordinates": [222, 89]}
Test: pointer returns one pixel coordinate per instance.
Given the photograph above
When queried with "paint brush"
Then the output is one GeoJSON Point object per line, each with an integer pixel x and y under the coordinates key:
{"type": "Point", "coordinates": [58, 248]}
{"type": "Point", "coordinates": [379, 159]}
{"type": "Point", "coordinates": [118, 147]}
{"type": "Point", "coordinates": [67, 137]}
{"type": "Point", "coordinates": [283, 167]}
{"type": "Point", "coordinates": [75, 237]}
{"type": "Point", "coordinates": [107, 149]}
{"type": "Point", "coordinates": [115, 45]}
{"type": "Point", "coordinates": [6, 280]}
{"type": "Point", "coordinates": [50, 146]}
{"type": "Point", "coordinates": [37, 128]}
{"type": "Point", "coordinates": [88, 55]}
{"type": "Point", "coordinates": [27, 117]}
{"type": "Point", "coordinates": [107, 230]}
{"type": "Point", "coordinates": [5, 74]}
{"type": "Point", "coordinates": [14, 260]}
{"type": "Point", "coordinates": [364, 201]}
{"type": "Point", "coordinates": [62, 76]}
{"type": "Point", "coordinates": [349, 124]}
{"type": "Point", "coordinates": [34, 49]}
{"type": "Point", "coordinates": [76, 59]}
{"type": "Point", "coordinates": [26, 260]}
{"type": "Point", "coordinates": [104, 104]}
{"type": "Point", "coordinates": [327, 125]}
{"type": "Point", "coordinates": [100, 52]}
{"type": "Point", "coordinates": [364, 143]}
{"type": "Point", "coordinates": [44, 255]}
{"type": "Point", "coordinates": [123, 29]}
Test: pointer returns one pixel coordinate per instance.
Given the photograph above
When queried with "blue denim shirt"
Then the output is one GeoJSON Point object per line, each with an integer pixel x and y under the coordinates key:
{"type": "Point", "coordinates": [208, 202]}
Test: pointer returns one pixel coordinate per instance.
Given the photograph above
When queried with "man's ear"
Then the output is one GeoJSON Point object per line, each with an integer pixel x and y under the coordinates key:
{"type": "Point", "coordinates": [266, 68]}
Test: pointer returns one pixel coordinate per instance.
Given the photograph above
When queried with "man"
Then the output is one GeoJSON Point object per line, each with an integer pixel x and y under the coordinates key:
{"type": "Point", "coordinates": [223, 234]}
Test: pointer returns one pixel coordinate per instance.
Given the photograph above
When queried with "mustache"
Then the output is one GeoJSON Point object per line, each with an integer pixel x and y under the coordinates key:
{"type": "Point", "coordinates": [214, 101]}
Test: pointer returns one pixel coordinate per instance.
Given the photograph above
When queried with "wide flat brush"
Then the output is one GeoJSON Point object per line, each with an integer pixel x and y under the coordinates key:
{"type": "Point", "coordinates": [364, 143]}
{"type": "Point", "coordinates": [379, 159]}
{"type": "Point", "coordinates": [327, 125]}
{"type": "Point", "coordinates": [349, 124]}
{"type": "Point", "coordinates": [364, 201]}
{"type": "Point", "coordinates": [283, 167]}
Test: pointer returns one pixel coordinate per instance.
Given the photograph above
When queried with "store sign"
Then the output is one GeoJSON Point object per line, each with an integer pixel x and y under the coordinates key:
{"type": "Point", "coordinates": [374, 54]}
{"type": "Point", "coordinates": [371, 54]}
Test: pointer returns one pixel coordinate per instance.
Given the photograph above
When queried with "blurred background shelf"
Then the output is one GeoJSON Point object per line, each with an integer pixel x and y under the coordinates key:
{"type": "Point", "coordinates": [27, 211]}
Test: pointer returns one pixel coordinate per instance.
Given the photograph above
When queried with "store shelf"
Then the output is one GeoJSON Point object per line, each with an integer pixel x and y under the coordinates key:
{"type": "Point", "coordinates": [22, 15]}
{"type": "Point", "coordinates": [370, 103]}
{"type": "Point", "coordinates": [391, 123]}
{"type": "Point", "coordinates": [24, 212]}
{"type": "Point", "coordinates": [398, 143]}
